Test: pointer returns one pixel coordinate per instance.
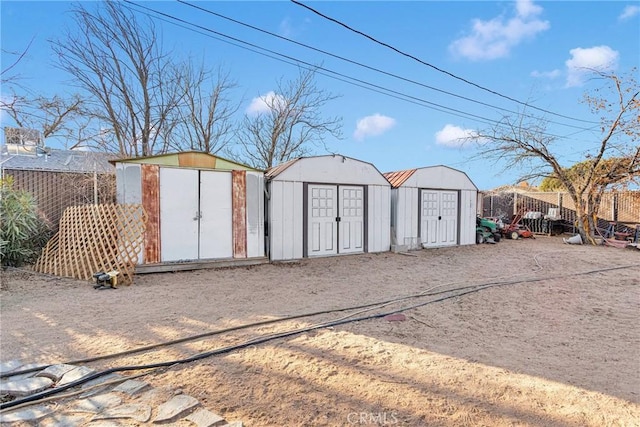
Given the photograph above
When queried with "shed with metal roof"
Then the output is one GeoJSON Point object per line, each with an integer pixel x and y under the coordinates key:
{"type": "Point", "coordinates": [326, 205]}
{"type": "Point", "coordinates": [432, 207]}
{"type": "Point", "coordinates": [200, 208]}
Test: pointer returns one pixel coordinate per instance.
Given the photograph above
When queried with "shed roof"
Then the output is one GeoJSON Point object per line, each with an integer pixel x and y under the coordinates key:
{"type": "Point", "coordinates": [438, 176]}
{"type": "Point", "coordinates": [277, 170]}
{"type": "Point", "coordinates": [189, 159]}
{"type": "Point", "coordinates": [396, 179]}
{"type": "Point", "coordinates": [330, 169]}
{"type": "Point", "coordinates": [53, 160]}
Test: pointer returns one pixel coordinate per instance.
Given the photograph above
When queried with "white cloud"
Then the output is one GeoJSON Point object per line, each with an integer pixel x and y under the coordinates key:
{"type": "Point", "coordinates": [629, 12]}
{"type": "Point", "coordinates": [374, 125]}
{"type": "Point", "coordinates": [454, 136]}
{"type": "Point", "coordinates": [584, 61]}
{"type": "Point", "coordinates": [264, 103]}
{"type": "Point", "coordinates": [553, 74]}
{"type": "Point", "coordinates": [285, 29]}
{"type": "Point", "coordinates": [495, 38]}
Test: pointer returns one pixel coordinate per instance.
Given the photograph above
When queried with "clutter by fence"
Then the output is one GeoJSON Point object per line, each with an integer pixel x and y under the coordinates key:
{"type": "Point", "coordinates": [95, 238]}
{"type": "Point", "coordinates": [621, 208]}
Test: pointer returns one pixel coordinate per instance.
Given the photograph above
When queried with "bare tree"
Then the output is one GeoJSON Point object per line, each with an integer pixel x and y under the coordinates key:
{"type": "Point", "coordinates": [289, 126]}
{"type": "Point", "coordinates": [51, 116]}
{"type": "Point", "coordinates": [524, 145]}
{"type": "Point", "coordinates": [118, 60]}
{"type": "Point", "coordinates": [204, 122]}
{"type": "Point", "coordinates": [5, 75]}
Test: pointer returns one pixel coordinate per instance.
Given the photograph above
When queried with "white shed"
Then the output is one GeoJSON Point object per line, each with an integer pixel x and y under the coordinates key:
{"type": "Point", "coordinates": [432, 207]}
{"type": "Point", "coordinates": [199, 207]}
{"type": "Point", "coordinates": [326, 205]}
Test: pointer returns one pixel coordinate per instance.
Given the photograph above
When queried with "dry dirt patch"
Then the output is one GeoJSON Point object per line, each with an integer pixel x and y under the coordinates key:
{"type": "Point", "coordinates": [561, 347]}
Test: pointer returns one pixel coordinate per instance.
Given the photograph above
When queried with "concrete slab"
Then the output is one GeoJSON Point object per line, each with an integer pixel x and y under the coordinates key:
{"type": "Point", "coordinates": [97, 403]}
{"type": "Point", "coordinates": [131, 387]}
{"type": "Point", "coordinates": [205, 418]}
{"type": "Point", "coordinates": [55, 372]}
{"type": "Point", "coordinates": [26, 415]}
{"type": "Point", "coordinates": [93, 387]}
{"type": "Point", "coordinates": [136, 411]}
{"type": "Point", "coordinates": [26, 367]}
{"type": "Point", "coordinates": [75, 374]}
{"type": "Point", "coordinates": [9, 365]}
{"type": "Point", "coordinates": [175, 407]}
{"type": "Point", "coordinates": [25, 387]}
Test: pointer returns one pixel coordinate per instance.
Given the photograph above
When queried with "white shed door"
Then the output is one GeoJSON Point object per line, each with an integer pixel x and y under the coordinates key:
{"type": "Point", "coordinates": [439, 218]}
{"type": "Point", "coordinates": [216, 223]}
{"type": "Point", "coordinates": [322, 225]}
{"type": "Point", "coordinates": [351, 219]}
{"type": "Point", "coordinates": [179, 214]}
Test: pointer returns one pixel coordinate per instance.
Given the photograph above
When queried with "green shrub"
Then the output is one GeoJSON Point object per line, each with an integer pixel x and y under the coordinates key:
{"type": "Point", "coordinates": [23, 233]}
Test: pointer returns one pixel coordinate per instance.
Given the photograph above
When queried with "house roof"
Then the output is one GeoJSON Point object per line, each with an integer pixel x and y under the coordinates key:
{"type": "Point", "coordinates": [396, 179]}
{"type": "Point", "coordinates": [192, 159]}
{"type": "Point", "coordinates": [53, 160]}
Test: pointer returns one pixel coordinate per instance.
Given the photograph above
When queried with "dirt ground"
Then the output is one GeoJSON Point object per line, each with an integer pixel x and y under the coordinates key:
{"type": "Point", "coordinates": [555, 340]}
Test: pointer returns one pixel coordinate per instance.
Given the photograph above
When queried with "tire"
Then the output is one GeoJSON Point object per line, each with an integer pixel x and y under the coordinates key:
{"type": "Point", "coordinates": [497, 237]}
{"type": "Point", "coordinates": [479, 238]}
{"type": "Point", "coordinates": [514, 235]}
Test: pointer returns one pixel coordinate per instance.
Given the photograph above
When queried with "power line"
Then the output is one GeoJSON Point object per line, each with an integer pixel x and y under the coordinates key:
{"type": "Point", "coordinates": [351, 61]}
{"type": "Point", "coordinates": [431, 65]}
{"type": "Point", "coordinates": [326, 72]}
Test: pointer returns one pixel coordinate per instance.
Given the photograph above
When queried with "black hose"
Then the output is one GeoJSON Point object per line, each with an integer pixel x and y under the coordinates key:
{"type": "Point", "coordinates": [260, 340]}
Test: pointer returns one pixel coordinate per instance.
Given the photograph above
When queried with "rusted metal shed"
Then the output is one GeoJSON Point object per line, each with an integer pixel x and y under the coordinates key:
{"type": "Point", "coordinates": [200, 208]}
{"type": "Point", "coordinates": [432, 207]}
{"type": "Point", "coordinates": [326, 205]}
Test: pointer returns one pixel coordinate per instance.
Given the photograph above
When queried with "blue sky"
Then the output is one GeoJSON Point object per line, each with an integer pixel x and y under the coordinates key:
{"type": "Point", "coordinates": [533, 52]}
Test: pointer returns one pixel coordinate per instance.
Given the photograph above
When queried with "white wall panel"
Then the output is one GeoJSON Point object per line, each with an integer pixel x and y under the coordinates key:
{"type": "Point", "coordinates": [179, 212]}
{"type": "Point", "coordinates": [216, 223]}
{"type": "Point", "coordinates": [285, 220]}
{"type": "Point", "coordinates": [468, 200]}
{"type": "Point", "coordinates": [379, 218]}
{"type": "Point", "coordinates": [128, 184]}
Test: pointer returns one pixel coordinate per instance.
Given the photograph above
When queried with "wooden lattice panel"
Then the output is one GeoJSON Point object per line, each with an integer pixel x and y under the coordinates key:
{"type": "Point", "coordinates": [94, 238]}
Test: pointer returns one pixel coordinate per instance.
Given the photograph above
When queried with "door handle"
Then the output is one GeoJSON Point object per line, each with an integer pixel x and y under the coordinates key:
{"type": "Point", "coordinates": [337, 219]}
{"type": "Point", "coordinates": [439, 218]}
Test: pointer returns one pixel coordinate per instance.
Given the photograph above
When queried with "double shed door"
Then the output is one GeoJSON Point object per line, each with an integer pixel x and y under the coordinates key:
{"type": "Point", "coordinates": [438, 218]}
{"type": "Point", "coordinates": [195, 214]}
{"type": "Point", "coordinates": [335, 219]}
